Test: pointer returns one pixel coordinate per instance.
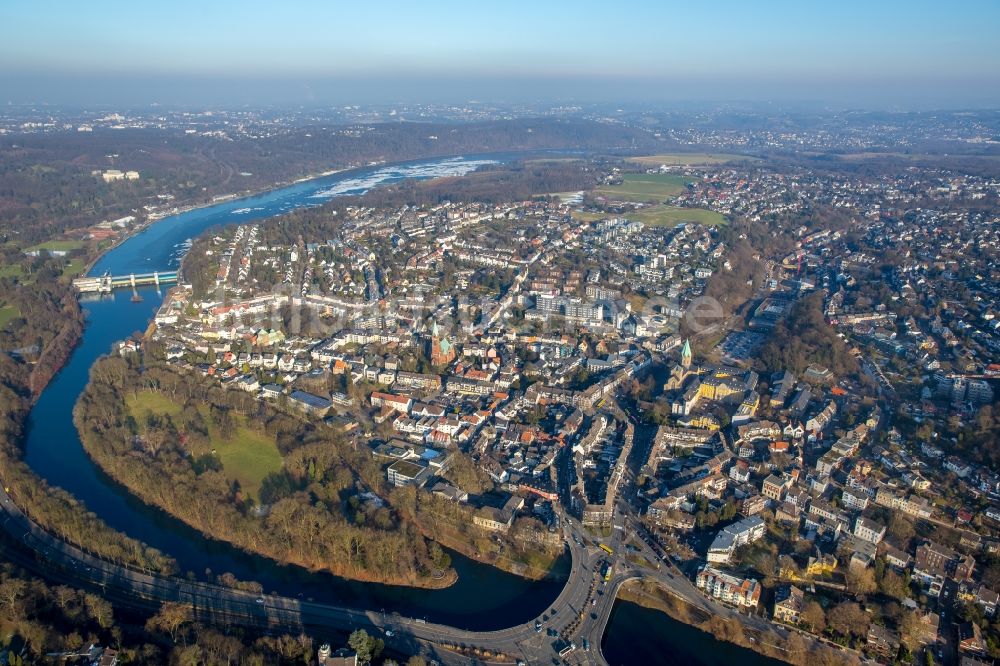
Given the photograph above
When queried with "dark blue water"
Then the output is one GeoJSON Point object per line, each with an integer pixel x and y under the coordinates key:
{"type": "Point", "coordinates": [483, 598]}
{"type": "Point", "coordinates": [640, 635]}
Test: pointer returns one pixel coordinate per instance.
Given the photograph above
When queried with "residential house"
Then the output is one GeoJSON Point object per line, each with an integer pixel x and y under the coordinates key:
{"type": "Point", "coordinates": [732, 537]}
{"type": "Point", "coordinates": [774, 487]}
{"type": "Point", "coordinates": [882, 641]}
{"type": "Point", "coordinates": [788, 604]}
{"type": "Point", "coordinates": [870, 530]}
{"type": "Point", "coordinates": [970, 639]}
{"type": "Point", "coordinates": [729, 589]}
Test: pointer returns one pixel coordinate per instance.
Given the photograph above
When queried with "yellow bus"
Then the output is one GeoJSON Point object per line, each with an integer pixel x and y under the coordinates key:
{"type": "Point", "coordinates": [607, 549]}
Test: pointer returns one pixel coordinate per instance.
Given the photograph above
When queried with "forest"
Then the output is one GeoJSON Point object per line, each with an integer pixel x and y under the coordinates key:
{"type": "Point", "coordinates": [316, 510]}
{"type": "Point", "coordinates": [804, 338]}
{"type": "Point", "coordinates": [528, 549]}
{"type": "Point", "coordinates": [499, 183]}
{"type": "Point", "coordinates": [36, 344]}
{"type": "Point", "coordinates": [327, 508]}
{"type": "Point", "coordinates": [38, 620]}
{"type": "Point", "coordinates": [46, 185]}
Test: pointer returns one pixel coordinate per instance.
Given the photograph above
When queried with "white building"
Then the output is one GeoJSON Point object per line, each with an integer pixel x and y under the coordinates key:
{"type": "Point", "coordinates": [730, 538]}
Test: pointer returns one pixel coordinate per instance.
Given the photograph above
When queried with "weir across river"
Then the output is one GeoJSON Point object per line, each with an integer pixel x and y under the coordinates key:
{"type": "Point", "coordinates": [105, 283]}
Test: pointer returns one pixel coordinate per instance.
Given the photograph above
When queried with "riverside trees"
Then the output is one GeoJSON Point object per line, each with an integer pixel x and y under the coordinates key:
{"type": "Point", "coordinates": [317, 513]}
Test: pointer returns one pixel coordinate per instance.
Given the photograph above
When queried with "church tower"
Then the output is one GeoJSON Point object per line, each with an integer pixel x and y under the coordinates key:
{"type": "Point", "coordinates": [442, 349]}
{"type": "Point", "coordinates": [686, 355]}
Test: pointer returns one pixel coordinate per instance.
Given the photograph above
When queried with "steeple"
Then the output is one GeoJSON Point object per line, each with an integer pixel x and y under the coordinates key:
{"type": "Point", "coordinates": [442, 351]}
{"type": "Point", "coordinates": [686, 354]}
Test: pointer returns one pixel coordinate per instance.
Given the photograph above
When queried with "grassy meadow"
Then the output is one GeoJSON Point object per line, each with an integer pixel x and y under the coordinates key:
{"type": "Point", "coordinates": [248, 457]}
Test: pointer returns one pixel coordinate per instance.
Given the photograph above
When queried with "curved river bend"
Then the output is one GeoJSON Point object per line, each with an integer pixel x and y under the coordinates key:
{"type": "Point", "coordinates": [483, 597]}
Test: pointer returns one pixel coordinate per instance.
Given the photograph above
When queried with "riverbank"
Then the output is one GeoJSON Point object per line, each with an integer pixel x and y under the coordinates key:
{"type": "Point", "coordinates": [793, 649]}
{"type": "Point", "coordinates": [221, 523]}
{"type": "Point", "coordinates": [166, 446]}
{"type": "Point", "coordinates": [54, 452]}
{"type": "Point", "coordinates": [154, 218]}
{"type": "Point", "coordinates": [636, 634]}
{"type": "Point", "coordinates": [42, 501]}
{"type": "Point", "coordinates": [556, 568]}
{"type": "Point", "coordinates": [248, 194]}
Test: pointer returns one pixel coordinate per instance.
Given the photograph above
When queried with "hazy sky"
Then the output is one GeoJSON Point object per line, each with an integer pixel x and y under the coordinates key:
{"type": "Point", "coordinates": [878, 52]}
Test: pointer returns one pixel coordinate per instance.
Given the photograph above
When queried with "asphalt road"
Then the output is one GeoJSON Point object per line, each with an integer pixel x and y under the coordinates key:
{"type": "Point", "coordinates": [577, 619]}
{"type": "Point", "coordinates": [47, 555]}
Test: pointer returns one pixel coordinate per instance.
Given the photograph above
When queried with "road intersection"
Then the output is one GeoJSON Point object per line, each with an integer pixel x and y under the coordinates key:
{"type": "Point", "coordinates": [569, 631]}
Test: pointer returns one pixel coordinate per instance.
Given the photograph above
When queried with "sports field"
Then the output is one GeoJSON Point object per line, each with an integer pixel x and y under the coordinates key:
{"type": "Point", "coordinates": [7, 312]}
{"type": "Point", "coordinates": [61, 245]}
{"type": "Point", "coordinates": [661, 216]}
{"type": "Point", "coordinates": [669, 216]}
{"type": "Point", "coordinates": [644, 187]}
{"type": "Point", "coordinates": [688, 159]}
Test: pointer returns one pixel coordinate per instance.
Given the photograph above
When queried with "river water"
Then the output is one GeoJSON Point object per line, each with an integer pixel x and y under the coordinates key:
{"type": "Point", "coordinates": [640, 635]}
{"type": "Point", "coordinates": [483, 598]}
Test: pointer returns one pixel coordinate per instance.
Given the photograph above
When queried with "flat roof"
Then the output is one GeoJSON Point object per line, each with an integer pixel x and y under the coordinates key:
{"type": "Point", "coordinates": [310, 399]}
{"type": "Point", "coordinates": [407, 468]}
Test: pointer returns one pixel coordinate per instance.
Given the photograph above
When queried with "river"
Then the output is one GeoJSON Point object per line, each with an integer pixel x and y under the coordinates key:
{"type": "Point", "coordinates": [54, 452]}
{"type": "Point", "coordinates": [483, 598]}
{"type": "Point", "coordinates": [640, 635]}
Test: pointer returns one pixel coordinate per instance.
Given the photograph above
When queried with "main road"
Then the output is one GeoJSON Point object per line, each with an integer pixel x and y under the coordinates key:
{"type": "Point", "coordinates": [569, 631]}
{"type": "Point", "coordinates": [40, 551]}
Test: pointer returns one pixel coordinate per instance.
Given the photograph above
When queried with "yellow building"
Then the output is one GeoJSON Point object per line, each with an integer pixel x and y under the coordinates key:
{"type": "Point", "coordinates": [824, 565]}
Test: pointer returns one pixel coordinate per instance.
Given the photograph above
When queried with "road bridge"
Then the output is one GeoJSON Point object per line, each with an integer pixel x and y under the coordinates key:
{"type": "Point", "coordinates": [576, 619]}
{"type": "Point", "coordinates": [48, 555]}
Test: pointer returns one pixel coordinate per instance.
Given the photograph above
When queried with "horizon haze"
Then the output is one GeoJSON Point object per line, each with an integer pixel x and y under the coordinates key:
{"type": "Point", "coordinates": [894, 55]}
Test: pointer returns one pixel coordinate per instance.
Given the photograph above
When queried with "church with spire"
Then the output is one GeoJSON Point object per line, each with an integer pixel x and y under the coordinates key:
{"type": "Point", "coordinates": [681, 371]}
{"type": "Point", "coordinates": [690, 384]}
{"type": "Point", "coordinates": [442, 350]}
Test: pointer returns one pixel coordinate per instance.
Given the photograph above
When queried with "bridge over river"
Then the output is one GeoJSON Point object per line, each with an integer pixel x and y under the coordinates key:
{"type": "Point", "coordinates": [570, 631]}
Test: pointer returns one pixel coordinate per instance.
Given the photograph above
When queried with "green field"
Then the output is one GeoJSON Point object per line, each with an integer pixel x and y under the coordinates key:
{"type": "Point", "coordinates": [64, 245]}
{"type": "Point", "coordinates": [248, 457]}
{"type": "Point", "coordinates": [7, 313]}
{"type": "Point", "coordinates": [11, 271]}
{"type": "Point", "coordinates": [645, 187]}
{"type": "Point", "coordinates": [150, 401]}
{"type": "Point", "coordinates": [661, 216]}
{"type": "Point", "coordinates": [669, 216]}
{"type": "Point", "coordinates": [74, 268]}
{"type": "Point", "coordinates": [688, 159]}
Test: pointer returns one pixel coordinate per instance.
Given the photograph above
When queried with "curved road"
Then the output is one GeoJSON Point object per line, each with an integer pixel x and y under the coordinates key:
{"type": "Point", "coordinates": [48, 555]}
{"type": "Point", "coordinates": [576, 619]}
{"type": "Point", "coordinates": [574, 623]}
